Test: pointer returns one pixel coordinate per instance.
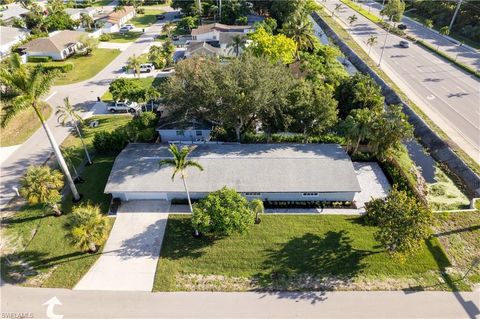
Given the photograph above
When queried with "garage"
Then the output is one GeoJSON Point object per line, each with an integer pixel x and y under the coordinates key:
{"type": "Point", "coordinates": [144, 196]}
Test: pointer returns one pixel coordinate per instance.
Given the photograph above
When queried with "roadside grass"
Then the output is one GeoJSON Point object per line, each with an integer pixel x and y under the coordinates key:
{"type": "Point", "coordinates": [444, 194]}
{"type": "Point", "coordinates": [297, 253]}
{"type": "Point", "coordinates": [85, 67]}
{"type": "Point", "coordinates": [347, 38]}
{"type": "Point", "coordinates": [20, 128]}
{"type": "Point", "coordinates": [147, 82]}
{"type": "Point", "coordinates": [125, 37]}
{"type": "Point", "coordinates": [102, 3]}
{"type": "Point", "coordinates": [146, 19]}
{"type": "Point", "coordinates": [459, 234]}
{"type": "Point", "coordinates": [45, 258]}
{"type": "Point", "coordinates": [370, 16]}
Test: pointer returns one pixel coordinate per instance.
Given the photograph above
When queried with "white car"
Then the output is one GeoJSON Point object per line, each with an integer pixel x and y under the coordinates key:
{"type": "Point", "coordinates": [146, 67]}
{"type": "Point", "coordinates": [123, 106]}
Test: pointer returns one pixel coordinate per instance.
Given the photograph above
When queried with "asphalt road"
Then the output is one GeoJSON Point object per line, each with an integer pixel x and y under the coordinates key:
{"type": "Point", "coordinates": [36, 150]}
{"type": "Point", "coordinates": [449, 96]}
{"type": "Point", "coordinates": [117, 304]}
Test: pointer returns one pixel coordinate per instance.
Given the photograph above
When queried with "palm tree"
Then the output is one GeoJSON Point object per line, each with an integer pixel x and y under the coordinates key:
{"type": "Point", "coordinates": [238, 43]}
{"type": "Point", "coordinates": [42, 185]}
{"type": "Point", "coordinates": [299, 29]}
{"type": "Point", "coordinates": [168, 28]}
{"type": "Point", "coordinates": [372, 40]}
{"type": "Point", "coordinates": [180, 165]}
{"type": "Point", "coordinates": [351, 19]}
{"type": "Point", "coordinates": [86, 20]}
{"type": "Point", "coordinates": [338, 6]}
{"type": "Point", "coordinates": [357, 126]}
{"type": "Point", "coordinates": [71, 156]}
{"type": "Point", "coordinates": [133, 63]}
{"type": "Point", "coordinates": [119, 8]}
{"type": "Point", "coordinates": [66, 114]}
{"type": "Point", "coordinates": [87, 227]}
{"type": "Point", "coordinates": [257, 206]}
{"type": "Point", "coordinates": [30, 84]}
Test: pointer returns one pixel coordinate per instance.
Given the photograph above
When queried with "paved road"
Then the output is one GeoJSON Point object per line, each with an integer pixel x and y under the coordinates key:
{"type": "Point", "coordinates": [100, 304]}
{"type": "Point", "coordinates": [450, 97]}
{"type": "Point", "coordinates": [37, 149]}
{"type": "Point", "coordinates": [464, 54]}
{"type": "Point", "coordinates": [129, 259]}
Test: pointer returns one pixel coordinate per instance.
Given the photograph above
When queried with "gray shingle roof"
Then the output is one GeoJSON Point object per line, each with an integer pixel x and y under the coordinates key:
{"type": "Point", "coordinates": [245, 167]}
{"type": "Point", "coordinates": [55, 43]}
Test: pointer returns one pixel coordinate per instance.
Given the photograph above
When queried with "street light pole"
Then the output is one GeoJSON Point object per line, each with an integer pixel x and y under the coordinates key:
{"type": "Point", "coordinates": [384, 43]}
{"type": "Point", "coordinates": [455, 15]}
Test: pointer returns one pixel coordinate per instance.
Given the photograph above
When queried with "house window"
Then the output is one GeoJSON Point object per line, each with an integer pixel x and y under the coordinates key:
{"type": "Point", "coordinates": [199, 133]}
{"type": "Point", "coordinates": [252, 194]}
{"type": "Point", "coordinates": [310, 194]}
{"type": "Point", "coordinates": [180, 133]}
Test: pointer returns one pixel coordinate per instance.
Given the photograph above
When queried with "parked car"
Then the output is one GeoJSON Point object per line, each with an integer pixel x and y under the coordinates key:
{"type": "Point", "coordinates": [160, 16]}
{"type": "Point", "coordinates": [402, 26]}
{"type": "Point", "coordinates": [123, 106]}
{"type": "Point", "coordinates": [146, 67]}
{"type": "Point", "coordinates": [124, 30]}
{"type": "Point", "coordinates": [175, 37]}
{"type": "Point", "coordinates": [129, 26]}
{"type": "Point", "coordinates": [404, 44]}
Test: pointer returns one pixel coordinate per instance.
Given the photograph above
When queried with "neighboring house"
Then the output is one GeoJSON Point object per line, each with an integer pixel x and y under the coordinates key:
{"type": "Point", "coordinates": [59, 45]}
{"type": "Point", "coordinates": [180, 131]}
{"type": "Point", "coordinates": [215, 35]}
{"type": "Point", "coordinates": [13, 11]}
{"type": "Point", "coordinates": [76, 14]}
{"type": "Point", "coordinates": [9, 37]}
{"type": "Point", "coordinates": [274, 172]}
{"type": "Point", "coordinates": [113, 21]}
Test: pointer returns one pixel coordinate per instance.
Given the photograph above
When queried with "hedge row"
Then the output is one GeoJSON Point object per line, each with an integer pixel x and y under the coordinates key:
{"type": "Point", "coordinates": [61, 67]}
{"type": "Point", "coordinates": [250, 138]}
{"type": "Point", "coordinates": [39, 59]}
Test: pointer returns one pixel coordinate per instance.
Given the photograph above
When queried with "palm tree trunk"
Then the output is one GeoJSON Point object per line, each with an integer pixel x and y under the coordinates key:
{"type": "Point", "coordinates": [83, 143]}
{"type": "Point", "coordinates": [58, 155]}
{"type": "Point", "coordinates": [188, 198]}
{"type": "Point", "coordinates": [357, 145]}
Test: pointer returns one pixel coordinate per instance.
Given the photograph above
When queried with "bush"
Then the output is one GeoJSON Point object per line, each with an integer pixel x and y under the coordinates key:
{"type": "Point", "coordinates": [39, 59]}
{"type": "Point", "coordinates": [140, 10]}
{"type": "Point", "coordinates": [110, 142]}
{"type": "Point", "coordinates": [59, 67]}
{"type": "Point", "coordinates": [105, 37]}
{"type": "Point", "coordinates": [223, 213]}
{"type": "Point", "coordinates": [292, 138]}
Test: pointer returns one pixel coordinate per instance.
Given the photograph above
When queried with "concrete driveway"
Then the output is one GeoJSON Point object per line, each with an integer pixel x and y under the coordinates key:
{"type": "Point", "coordinates": [130, 256]}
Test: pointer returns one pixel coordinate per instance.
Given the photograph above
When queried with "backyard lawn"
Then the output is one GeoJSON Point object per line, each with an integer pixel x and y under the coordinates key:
{"type": "Point", "coordinates": [146, 19]}
{"type": "Point", "coordinates": [294, 252]}
{"type": "Point", "coordinates": [85, 67]}
{"type": "Point", "coordinates": [37, 251]}
{"type": "Point", "coordinates": [21, 127]}
{"type": "Point", "coordinates": [125, 37]}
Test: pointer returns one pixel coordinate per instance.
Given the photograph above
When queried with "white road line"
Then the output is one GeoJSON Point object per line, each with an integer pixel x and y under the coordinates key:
{"type": "Point", "coordinates": [50, 96]}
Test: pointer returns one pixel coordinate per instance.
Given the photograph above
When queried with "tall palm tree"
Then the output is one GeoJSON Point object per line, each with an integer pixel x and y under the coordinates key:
{"type": "Point", "coordinates": [67, 113]}
{"type": "Point", "coordinates": [238, 44]}
{"type": "Point", "coordinates": [168, 28]}
{"type": "Point", "coordinates": [372, 40]}
{"type": "Point", "coordinates": [70, 155]}
{"type": "Point", "coordinates": [86, 20]}
{"type": "Point", "coordinates": [180, 165]}
{"type": "Point", "coordinates": [30, 84]}
{"type": "Point", "coordinates": [357, 126]}
{"type": "Point", "coordinates": [42, 185]}
{"type": "Point", "coordinates": [133, 63]}
{"type": "Point", "coordinates": [87, 227]}
{"type": "Point", "coordinates": [338, 6]}
{"type": "Point", "coordinates": [351, 19]}
{"type": "Point", "coordinates": [300, 29]}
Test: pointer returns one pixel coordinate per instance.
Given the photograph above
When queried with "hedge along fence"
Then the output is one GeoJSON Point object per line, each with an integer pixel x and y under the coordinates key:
{"type": "Point", "coordinates": [437, 147]}
{"type": "Point", "coordinates": [385, 25]}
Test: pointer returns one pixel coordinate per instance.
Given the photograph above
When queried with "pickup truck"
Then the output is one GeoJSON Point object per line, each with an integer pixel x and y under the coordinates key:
{"type": "Point", "coordinates": [123, 106]}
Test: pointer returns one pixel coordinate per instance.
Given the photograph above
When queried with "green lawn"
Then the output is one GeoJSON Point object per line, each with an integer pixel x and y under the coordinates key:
{"type": "Point", "coordinates": [38, 240]}
{"type": "Point", "coordinates": [102, 3]}
{"type": "Point", "coordinates": [125, 37]}
{"type": "Point", "coordinates": [146, 19]}
{"type": "Point", "coordinates": [20, 128]}
{"type": "Point", "coordinates": [145, 82]}
{"type": "Point", "coordinates": [85, 67]}
{"type": "Point", "coordinates": [293, 252]}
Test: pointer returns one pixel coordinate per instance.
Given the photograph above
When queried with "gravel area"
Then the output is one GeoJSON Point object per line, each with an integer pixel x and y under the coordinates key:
{"type": "Point", "coordinates": [373, 182]}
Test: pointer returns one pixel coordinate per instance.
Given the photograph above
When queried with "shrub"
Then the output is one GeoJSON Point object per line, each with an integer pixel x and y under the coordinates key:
{"type": "Point", "coordinates": [140, 10]}
{"type": "Point", "coordinates": [39, 59]}
{"type": "Point", "coordinates": [292, 138]}
{"type": "Point", "coordinates": [223, 213]}
{"type": "Point", "coordinates": [110, 142]}
{"type": "Point", "coordinates": [87, 227]}
{"type": "Point", "coordinates": [59, 67]}
{"type": "Point", "coordinates": [105, 37]}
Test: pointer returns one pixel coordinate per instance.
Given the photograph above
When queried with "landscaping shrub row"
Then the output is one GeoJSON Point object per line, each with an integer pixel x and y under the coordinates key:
{"type": "Point", "coordinates": [60, 67]}
{"type": "Point", "coordinates": [39, 59]}
{"type": "Point", "coordinates": [308, 204]}
{"type": "Point", "coordinates": [250, 138]}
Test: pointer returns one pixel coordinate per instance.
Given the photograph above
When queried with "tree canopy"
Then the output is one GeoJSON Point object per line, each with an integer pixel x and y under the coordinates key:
{"type": "Point", "coordinates": [276, 48]}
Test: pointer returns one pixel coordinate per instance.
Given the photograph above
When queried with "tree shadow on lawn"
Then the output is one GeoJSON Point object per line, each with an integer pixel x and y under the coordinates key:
{"type": "Point", "coordinates": [312, 263]}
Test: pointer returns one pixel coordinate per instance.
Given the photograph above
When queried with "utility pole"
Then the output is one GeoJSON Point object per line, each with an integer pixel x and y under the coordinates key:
{"type": "Point", "coordinates": [220, 10]}
{"type": "Point", "coordinates": [384, 43]}
{"type": "Point", "coordinates": [455, 15]}
{"type": "Point", "coordinates": [199, 5]}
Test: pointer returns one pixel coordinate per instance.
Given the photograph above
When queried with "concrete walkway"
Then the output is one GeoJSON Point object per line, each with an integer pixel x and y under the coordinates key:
{"type": "Point", "coordinates": [130, 256]}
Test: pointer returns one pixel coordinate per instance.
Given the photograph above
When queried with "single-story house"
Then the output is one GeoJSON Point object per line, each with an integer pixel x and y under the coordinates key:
{"type": "Point", "coordinates": [10, 36]}
{"type": "Point", "coordinates": [183, 131]}
{"type": "Point", "coordinates": [113, 21]}
{"type": "Point", "coordinates": [201, 48]}
{"type": "Point", "coordinates": [274, 172]}
{"type": "Point", "coordinates": [58, 46]}
{"type": "Point", "coordinates": [12, 11]}
{"type": "Point", "coordinates": [208, 32]}
{"type": "Point", "coordinates": [76, 13]}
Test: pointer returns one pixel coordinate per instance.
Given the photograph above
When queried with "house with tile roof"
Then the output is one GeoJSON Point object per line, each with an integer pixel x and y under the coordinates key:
{"type": "Point", "coordinates": [113, 21]}
{"type": "Point", "coordinates": [59, 45]}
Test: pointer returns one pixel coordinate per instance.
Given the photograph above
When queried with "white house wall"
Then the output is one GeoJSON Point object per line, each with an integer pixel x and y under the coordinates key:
{"type": "Point", "coordinates": [188, 135]}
